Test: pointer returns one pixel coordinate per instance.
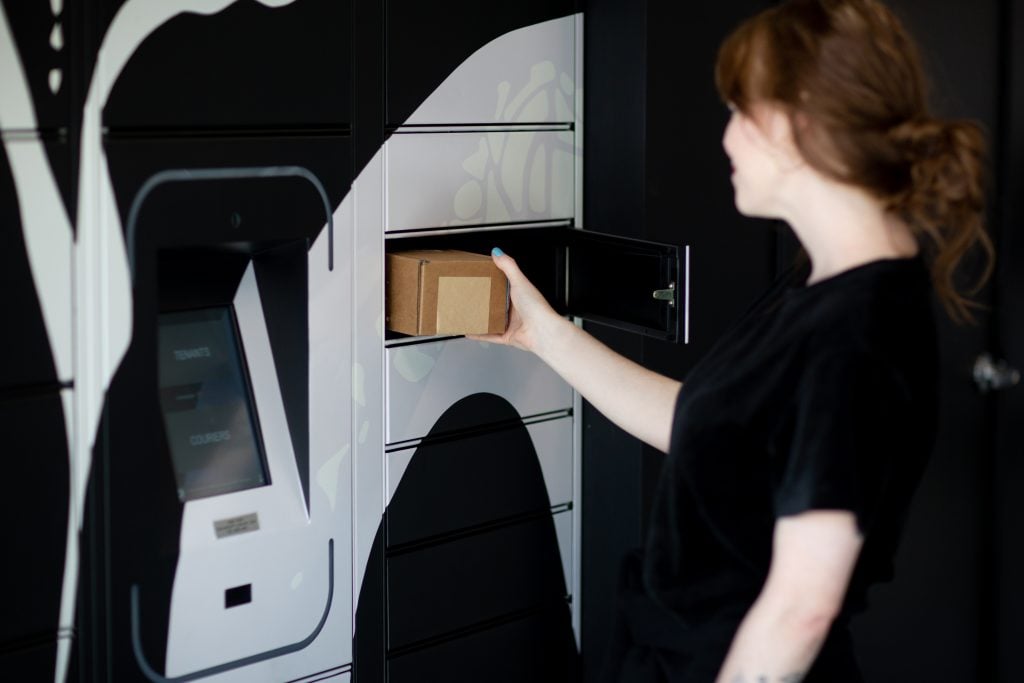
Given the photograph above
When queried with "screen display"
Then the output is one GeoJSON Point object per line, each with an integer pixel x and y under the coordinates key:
{"type": "Point", "coordinates": [207, 405]}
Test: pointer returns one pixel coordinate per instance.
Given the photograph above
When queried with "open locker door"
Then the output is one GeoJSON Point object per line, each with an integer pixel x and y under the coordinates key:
{"type": "Point", "coordinates": [629, 284]}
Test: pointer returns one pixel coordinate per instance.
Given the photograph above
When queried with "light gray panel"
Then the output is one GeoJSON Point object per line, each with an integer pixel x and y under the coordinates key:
{"type": "Point", "coordinates": [553, 442]}
{"type": "Point", "coordinates": [526, 75]}
{"type": "Point", "coordinates": [479, 178]}
{"type": "Point", "coordinates": [423, 380]}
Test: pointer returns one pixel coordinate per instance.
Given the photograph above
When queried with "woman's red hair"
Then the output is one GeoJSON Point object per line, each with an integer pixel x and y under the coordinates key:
{"type": "Point", "coordinates": [850, 78]}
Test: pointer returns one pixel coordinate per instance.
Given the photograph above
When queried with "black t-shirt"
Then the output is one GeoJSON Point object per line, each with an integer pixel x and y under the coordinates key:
{"type": "Point", "coordinates": [818, 397]}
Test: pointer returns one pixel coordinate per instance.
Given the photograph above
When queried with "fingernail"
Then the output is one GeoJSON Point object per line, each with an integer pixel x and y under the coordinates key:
{"type": "Point", "coordinates": [497, 252]}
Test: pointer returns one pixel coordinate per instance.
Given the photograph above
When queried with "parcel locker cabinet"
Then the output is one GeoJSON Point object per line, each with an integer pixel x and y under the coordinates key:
{"type": "Point", "coordinates": [441, 66]}
{"type": "Point", "coordinates": [629, 284]}
{"type": "Point", "coordinates": [225, 242]}
{"type": "Point", "coordinates": [248, 67]}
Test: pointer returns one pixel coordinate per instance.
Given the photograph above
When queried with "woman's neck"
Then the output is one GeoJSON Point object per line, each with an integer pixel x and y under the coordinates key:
{"type": "Point", "coordinates": [841, 226]}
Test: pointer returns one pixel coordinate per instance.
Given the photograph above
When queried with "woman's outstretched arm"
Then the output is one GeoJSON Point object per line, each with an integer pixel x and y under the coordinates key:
{"type": "Point", "coordinates": [639, 401]}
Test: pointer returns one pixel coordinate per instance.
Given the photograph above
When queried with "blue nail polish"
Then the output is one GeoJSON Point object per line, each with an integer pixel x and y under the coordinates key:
{"type": "Point", "coordinates": [497, 252]}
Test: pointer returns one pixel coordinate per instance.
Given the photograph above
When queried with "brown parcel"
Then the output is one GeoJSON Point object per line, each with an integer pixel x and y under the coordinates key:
{"type": "Point", "coordinates": [434, 291]}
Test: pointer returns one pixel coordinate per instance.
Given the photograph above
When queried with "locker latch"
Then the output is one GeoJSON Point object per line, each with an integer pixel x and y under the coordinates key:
{"type": "Point", "coordinates": [668, 295]}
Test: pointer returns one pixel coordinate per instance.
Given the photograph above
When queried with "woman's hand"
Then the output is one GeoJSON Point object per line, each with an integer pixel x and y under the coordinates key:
{"type": "Point", "coordinates": [638, 400]}
{"type": "Point", "coordinates": [532, 322]}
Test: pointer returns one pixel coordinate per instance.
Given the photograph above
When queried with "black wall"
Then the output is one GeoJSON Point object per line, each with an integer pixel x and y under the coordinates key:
{"type": "Point", "coordinates": [655, 170]}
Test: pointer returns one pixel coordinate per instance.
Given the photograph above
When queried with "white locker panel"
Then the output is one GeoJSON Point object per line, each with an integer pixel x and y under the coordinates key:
{"type": "Point", "coordinates": [479, 178]}
{"type": "Point", "coordinates": [552, 440]}
{"type": "Point", "coordinates": [526, 75]}
{"type": "Point", "coordinates": [424, 380]}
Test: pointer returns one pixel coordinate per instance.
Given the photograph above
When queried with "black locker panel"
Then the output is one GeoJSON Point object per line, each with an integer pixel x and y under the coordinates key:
{"type": "Point", "coordinates": [427, 41]}
{"type": "Point", "coordinates": [25, 357]}
{"type": "Point", "coordinates": [537, 648]}
{"type": "Point", "coordinates": [35, 513]}
{"type": "Point", "coordinates": [467, 581]}
{"type": "Point", "coordinates": [246, 67]}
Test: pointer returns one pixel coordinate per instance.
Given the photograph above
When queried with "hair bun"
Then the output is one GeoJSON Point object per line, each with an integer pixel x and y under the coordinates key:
{"type": "Point", "coordinates": [921, 139]}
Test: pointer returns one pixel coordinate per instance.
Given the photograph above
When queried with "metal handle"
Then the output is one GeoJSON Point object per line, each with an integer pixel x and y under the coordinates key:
{"type": "Point", "coordinates": [668, 295]}
{"type": "Point", "coordinates": [992, 375]}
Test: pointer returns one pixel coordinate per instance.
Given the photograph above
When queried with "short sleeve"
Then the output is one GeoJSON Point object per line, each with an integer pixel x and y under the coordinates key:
{"type": "Point", "coordinates": [847, 414]}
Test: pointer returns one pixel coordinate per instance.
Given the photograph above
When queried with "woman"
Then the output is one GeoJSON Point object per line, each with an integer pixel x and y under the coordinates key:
{"type": "Point", "coordinates": [794, 446]}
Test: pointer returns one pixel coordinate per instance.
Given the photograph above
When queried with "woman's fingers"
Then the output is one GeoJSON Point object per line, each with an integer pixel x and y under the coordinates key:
{"type": "Point", "coordinates": [492, 338]}
{"type": "Point", "coordinates": [507, 264]}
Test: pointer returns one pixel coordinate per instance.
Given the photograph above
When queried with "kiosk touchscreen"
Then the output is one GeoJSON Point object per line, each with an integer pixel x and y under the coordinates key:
{"type": "Point", "coordinates": [207, 404]}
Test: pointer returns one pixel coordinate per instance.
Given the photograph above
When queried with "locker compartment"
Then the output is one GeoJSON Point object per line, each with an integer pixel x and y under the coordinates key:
{"type": "Point", "coordinates": [473, 49]}
{"type": "Point", "coordinates": [35, 264]}
{"type": "Point", "coordinates": [424, 380]}
{"type": "Point", "coordinates": [248, 66]}
{"type": "Point", "coordinates": [462, 483]}
{"type": "Point", "coordinates": [523, 76]}
{"type": "Point", "coordinates": [467, 581]}
{"type": "Point", "coordinates": [630, 284]}
{"type": "Point", "coordinates": [455, 179]}
{"type": "Point", "coordinates": [35, 510]}
{"type": "Point", "coordinates": [538, 647]}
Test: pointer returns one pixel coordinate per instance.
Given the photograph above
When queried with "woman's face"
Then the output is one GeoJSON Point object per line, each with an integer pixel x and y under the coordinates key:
{"type": "Point", "coordinates": [764, 157]}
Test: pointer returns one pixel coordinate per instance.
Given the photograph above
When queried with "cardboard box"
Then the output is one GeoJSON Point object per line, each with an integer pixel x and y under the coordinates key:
{"type": "Point", "coordinates": [431, 292]}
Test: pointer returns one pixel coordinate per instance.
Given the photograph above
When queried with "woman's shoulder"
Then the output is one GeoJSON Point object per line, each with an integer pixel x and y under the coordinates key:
{"type": "Point", "coordinates": [881, 298]}
{"type": "Point", "coordinates": [880, 312]}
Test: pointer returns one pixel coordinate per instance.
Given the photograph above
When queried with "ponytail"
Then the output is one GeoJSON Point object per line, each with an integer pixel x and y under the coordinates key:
{"type": "Point", "coordinates": [944, 203]}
